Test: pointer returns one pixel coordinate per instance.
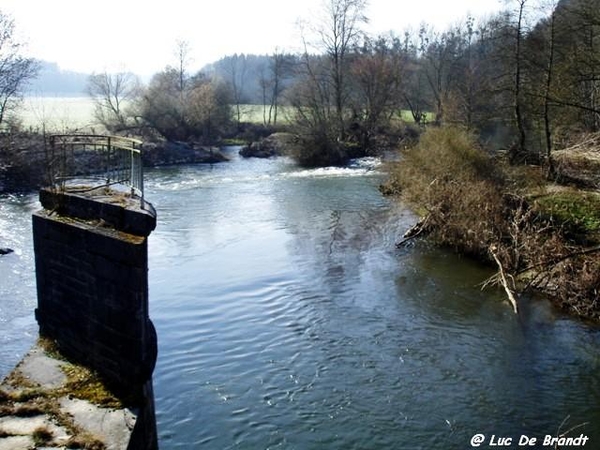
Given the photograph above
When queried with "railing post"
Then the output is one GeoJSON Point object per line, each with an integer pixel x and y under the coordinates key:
{"type": "Point", "coordinates": [141, 177]}
{"type": "Point", "coordinates": [108, 167]}
{"type": "Point", "coordinates": [131, 173]}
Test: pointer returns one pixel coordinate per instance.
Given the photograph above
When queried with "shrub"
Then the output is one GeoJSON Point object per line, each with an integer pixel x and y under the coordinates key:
{"type": "Point", "coordinates": [319, 150]}
{"type": "Point", "coordinates": [450, 179]}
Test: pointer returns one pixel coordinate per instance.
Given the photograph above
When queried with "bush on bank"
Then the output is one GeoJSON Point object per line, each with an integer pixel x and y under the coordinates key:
{"type": "Point", "coordinates": [456, 187]}
{"type": "Point", "coordinates": [476, 205]}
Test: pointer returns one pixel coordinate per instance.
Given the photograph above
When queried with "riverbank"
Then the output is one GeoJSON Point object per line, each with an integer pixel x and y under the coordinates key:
{"type": "Point", "coordinates": [541, 235]}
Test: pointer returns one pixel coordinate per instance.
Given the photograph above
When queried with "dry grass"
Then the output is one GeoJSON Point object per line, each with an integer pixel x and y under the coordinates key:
{"type": "Point", "coordinates": [86, 442]}
{"type": "Point", "coordinates": [85, 384]}
{"type": "Point", "coordinates": [42, 436]}
{"type": "Point", "coordinates": [579, 162]}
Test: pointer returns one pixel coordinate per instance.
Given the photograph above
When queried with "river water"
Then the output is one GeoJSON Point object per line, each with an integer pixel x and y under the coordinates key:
{"type": "Point", "coordinates": [288, 319]}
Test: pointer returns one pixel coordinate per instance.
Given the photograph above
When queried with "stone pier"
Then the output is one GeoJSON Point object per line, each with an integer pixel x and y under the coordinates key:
{"type": "Point", "coordinates": [91, 259]}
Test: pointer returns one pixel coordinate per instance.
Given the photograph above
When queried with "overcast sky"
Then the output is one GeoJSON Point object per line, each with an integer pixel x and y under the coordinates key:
{"type": "Point", "coordinates": [141, 35]}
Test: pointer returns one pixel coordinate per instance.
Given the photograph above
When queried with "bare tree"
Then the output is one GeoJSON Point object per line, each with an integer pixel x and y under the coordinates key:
{"type": "Point", "coordinates": [266, 85]}
{"type": "Point", "coordinates": [321, 97]}
{"type": "Point", "coordinates": [439, 58]}
{"type": "Point", "coordinates": [470, 77]}
{"type": "Point", "coordinates": [208, 107]}
{"type": "Point", "coordinates": [182, 53]}
{"type": "Point", "coordinates": [272, 85]}
{"type": "Point", "coordinates": [518, 69]}
{"type": "Point", "coordinates": [338, 33]}
{"type": "Point", "coordinates": [580, 60]}
{"type": "Point", "coordinates": [204, 112]}
{"type": "Point", "coordinates": [111, 94]}
{"type": "Point", "coordinates": [377, 75]}
{"type": "Point", "coordinates": [15, 69]}
{"type": "Point", "coordinates": [415, 82]}
{"type": "Point", "coordinates": [549, 69]}
{"type": "Point", "coordinates": [236, 70]}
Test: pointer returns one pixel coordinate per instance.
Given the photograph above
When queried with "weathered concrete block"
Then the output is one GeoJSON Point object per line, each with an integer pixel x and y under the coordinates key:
{"type": "Point", "coordinates": [92, 281]}
{"type": "Point", "coordinates": [91, 257]}
{"type": "Point", "coordinates": [114, 208]}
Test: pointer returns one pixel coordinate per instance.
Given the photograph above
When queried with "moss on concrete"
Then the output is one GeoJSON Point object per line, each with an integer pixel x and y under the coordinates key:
{"type": "Point", "coordinates": [22, 397]}
{"type": "Point", "coordinates": [84, 384]}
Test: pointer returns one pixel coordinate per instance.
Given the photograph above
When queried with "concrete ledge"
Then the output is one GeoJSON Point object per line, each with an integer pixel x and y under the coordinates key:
{"type": "Point", "coordinates": [38, 409]}
{"type": "Point", "coordinates": [114, 208]}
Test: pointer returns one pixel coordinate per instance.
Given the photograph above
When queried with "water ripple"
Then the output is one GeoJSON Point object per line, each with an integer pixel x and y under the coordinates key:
{"type": "Point", "coordinates": [288, 319]}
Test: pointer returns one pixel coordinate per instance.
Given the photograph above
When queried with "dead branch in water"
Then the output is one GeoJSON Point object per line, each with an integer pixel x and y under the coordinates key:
{"type": "Point", "coordinates": [422, 226]}
{"type": "Point", "coordinates": [502, 279]}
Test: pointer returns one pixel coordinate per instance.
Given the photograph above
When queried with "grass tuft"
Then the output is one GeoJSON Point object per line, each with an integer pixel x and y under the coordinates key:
{"type": "Point", "coordinates": [85, 384]}
{"type": "Point", "coordinates": [86, 442]}
{"type": "Point", "coordinates": [42, 436]}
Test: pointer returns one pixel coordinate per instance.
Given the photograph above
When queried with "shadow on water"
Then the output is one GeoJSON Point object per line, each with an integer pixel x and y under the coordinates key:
{"type": "Point", "coordinates": [518, 375]}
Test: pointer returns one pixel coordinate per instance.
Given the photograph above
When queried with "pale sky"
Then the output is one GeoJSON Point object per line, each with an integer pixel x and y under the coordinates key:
{"type": "Point", "coordinates": [141, 35]}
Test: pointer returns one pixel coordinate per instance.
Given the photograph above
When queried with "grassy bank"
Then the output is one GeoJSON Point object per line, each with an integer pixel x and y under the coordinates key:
{"type": "Point", "coordinates": [541, 236]}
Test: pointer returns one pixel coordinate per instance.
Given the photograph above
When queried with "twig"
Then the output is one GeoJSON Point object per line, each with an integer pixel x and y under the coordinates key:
{"type": "Point", "coordinates": [586, 251]}
{"type": "Point", "coordinates": [502, 278]}
{"type": "Point", "coordinates": [559, 434]}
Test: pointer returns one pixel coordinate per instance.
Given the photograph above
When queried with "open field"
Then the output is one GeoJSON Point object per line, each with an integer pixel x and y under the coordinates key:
{"type": "Point", "coordinates": [65, 114]}
{"type": "Point", "coordinates": [255, 114]}
{"type": "Point", "coordinates": [58, 114]}
{"type": "Point", "coordinates": [68, 114]}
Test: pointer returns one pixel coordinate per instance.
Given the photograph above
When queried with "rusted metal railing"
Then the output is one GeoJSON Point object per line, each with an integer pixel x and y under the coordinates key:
{"type": "Point", "coordinates": [78, 159]}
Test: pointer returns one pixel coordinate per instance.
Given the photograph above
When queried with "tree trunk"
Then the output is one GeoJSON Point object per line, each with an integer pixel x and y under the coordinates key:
{"type": "Point", "coordinates": [549, 74]}
{"type": "Point", "coordinates": [518, 82]}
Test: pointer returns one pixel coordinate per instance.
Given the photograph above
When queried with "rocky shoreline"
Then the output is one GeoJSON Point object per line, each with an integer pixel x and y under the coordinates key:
{"type": "Point", "coordinates": [276, 144]}
{"type": "Point", "coordinates": [172, 153]}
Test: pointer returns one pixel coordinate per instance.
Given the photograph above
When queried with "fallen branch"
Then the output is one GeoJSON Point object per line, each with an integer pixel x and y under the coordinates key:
{"type": "Point", "coordinates": [422, 226]}
{"type": "Point", "coordinates": [503, 280]}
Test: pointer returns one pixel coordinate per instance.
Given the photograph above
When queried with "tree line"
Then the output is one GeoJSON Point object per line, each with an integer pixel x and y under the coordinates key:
{"type": "Point", "coordinates": [523, 79]}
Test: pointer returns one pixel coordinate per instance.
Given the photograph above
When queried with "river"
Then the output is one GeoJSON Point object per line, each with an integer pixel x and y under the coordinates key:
{"type": "Point", "coordinates": [287, 319]}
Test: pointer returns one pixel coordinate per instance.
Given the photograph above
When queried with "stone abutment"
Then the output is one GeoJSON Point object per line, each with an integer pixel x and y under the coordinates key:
{"type": "Point", "coordinates": [91, 259]}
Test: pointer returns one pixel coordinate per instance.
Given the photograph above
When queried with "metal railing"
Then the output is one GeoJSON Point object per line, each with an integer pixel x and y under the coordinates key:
{"type": "Point", "coordinates": [78, 159]}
